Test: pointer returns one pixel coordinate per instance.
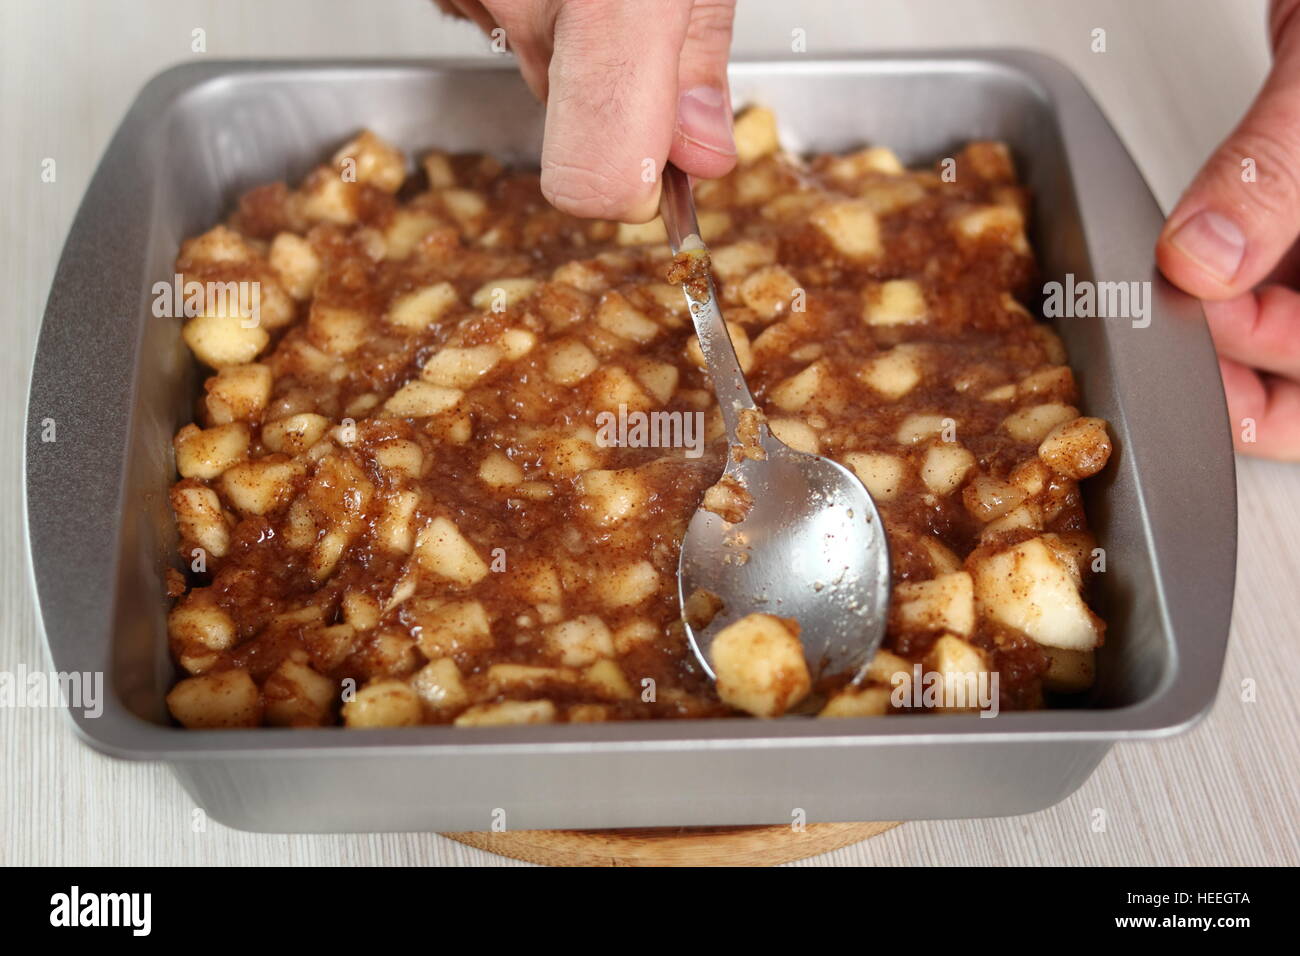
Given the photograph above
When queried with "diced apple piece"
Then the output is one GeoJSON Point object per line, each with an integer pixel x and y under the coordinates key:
{"type": "Point", "coordinates": [297, 696]}
{"type": "Point", "coordinates": [612, 386]}
{"type": "Point", "coordinates": [896, 302]}
{"type": "Point", "coordinates": [220, 244]}
{"type": "Point", "coordinates": [455, 367]}
{"type": "Point", "coordinates": [405, 230]}
{"type": "Point", "coordinates": [200, 620]}
{"type": "Point", "coordinates": [237, 392]}
{"type": "Point", "coordinates": [207, 452]}
{"type": "Point", "coordinates": [508, 712]}
{"type": "Point", "coordinates": [222, 340]}
{"type": "Point", "coordinates": [760, 665]}
{"type": "Point", "coordinates": [420, 309]}
{"type": "Point", "coordinates": [1034, 423]}
{"type": "Point", "coordinates": [569, 362]}
{"type": "Point", "coordinates": [945, 467]}
{"type": "Point", "coordinates": [893, 373]}
{"type": "Point", "coordinates": [606, 678]}
{"type": "Point", "coordinates": [851, 226]}
{"type": "Point", "coordinates": [500, 294]}
{"type": "Point", "coordinates": [420, 399]}
{"type": "Point", "coordinates": [325, 197]}
{"type": "Point", "coordinates": [221, 700]}
{"type": "Point", "coordinates": [858, 702]}
{"type": "Point", "coordinates": [659, 378]}
{"type": "Point", "coordinates": [874, 159]}
{"type": "Point", "coordinates": [260, 487]}
{"type": "Point", "coordinates": [731, 263]}
{"type": "Point", "coordinates": [796, 434]}
{"type": "Point", "coordinates": [498, 471]}
{"type": "Point", "coordinates": [959, 665]}
{"type": "Point", "coordinates": [467, 207]}
{"type": "Point", "coordinates": [516, 343]}
{"type": "Point", "coordinates": [614, 313]}
{"type": "Point", "coordinates": [642, 233]}
{"type": "Point", "coordinates": [1027, 515]}
{"type": "Point", "coordinates": [988, 498]}
{"type": "Point", "coordinates": [445, 628]}
{"type": "Point", "coordinates": [886, 666]}
{"type": "Point", "coordinates": [610, 497]}
{"type": "Point", "coordinates": [994, 221]}
{"type": "Point", "coordinates": [336, 330]}
{"type": "Point", "coordinates": [384, 703]}
{"type": "Point", "coordinates": [798, 390]}
{"type": "Point", "coordinates": [361, 610]}
{"type": "Point", "coordinates": [769, 291]}
{"type": "Point", "coordinates": [373, 161]}
{"type": "Point", "coordinates": [295, 434]}
{"type": "Point", "coordinates": [1029, 588]}
{"type": "Point", "coordinates": [199, 518]}
{"type": "Point", "coordinates": [580, 641]}
{"type": "Point", "coordinates": [443, 550]}
{"type": "Point", "coordinates": [395, 531]}
{"type": "Point", "coordinates": [946, 603]}
{"type": "Point", "coordinates": [439, 686]}
{"type": "Point", "coordinates": [918, 427]}
{"type": "Point", "coordinates": [295, 263]}
{"type": "Point", "coordinates": [883, 475]}
{"type": "Point", "coordinates": [892, 195]}
{"type": "Point", "coordinates": [755, 134]}
{"type": "Point", "coordinates": [1077, 449]}
{"type": "Point", "coordinates": [625, 585]}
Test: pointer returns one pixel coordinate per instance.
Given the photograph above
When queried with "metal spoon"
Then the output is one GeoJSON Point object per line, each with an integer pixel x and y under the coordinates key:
{"type": "Point", "coordinates": [812, 546]}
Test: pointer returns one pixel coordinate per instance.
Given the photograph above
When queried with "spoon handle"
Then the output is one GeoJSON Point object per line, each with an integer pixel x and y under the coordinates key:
{"type": "Point", "coordinates": [678, 208]}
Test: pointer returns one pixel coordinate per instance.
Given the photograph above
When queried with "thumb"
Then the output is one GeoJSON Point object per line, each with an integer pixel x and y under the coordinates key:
{"type": "Point", "coordinates": [610, 111]}
{"type": "Point", "coordinates": [702, 140]}
{"type": "Point", "coordinates": [1242, 212]}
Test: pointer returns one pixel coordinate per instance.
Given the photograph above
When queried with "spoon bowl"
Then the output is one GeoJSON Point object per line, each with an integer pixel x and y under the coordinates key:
{"type": "Point", "coordinates": [811, 547]}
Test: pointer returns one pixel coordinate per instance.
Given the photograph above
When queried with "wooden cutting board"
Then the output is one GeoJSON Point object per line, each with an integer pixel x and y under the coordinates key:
{"type": "Point", "coordinates": [672, 846]}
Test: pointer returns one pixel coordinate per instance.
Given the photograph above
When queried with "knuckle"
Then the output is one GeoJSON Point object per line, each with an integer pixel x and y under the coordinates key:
{"type": "Point", "coordinates": [711, 20]}
{"type": "Point", "coordinates": [1275, 153]}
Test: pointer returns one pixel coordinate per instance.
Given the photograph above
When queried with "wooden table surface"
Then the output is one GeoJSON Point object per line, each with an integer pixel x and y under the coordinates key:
{"type": "Point", "coordinates": [1174, 78]}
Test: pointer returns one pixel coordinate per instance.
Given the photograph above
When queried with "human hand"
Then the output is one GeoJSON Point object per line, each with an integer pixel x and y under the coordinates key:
{"type": "Point", "coordinates": [1231, 241]}
{"type": "Point", "coordinates": [627, 85]}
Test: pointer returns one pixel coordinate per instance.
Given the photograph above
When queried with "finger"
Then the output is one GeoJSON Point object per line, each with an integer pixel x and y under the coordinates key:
{"type": "Point", "coordinates": [612, 106]}
{"type": "Point", "coordinates": [702, 140]}
{"type": "Point", "coordinates": [1261, 330]}
{"type": "Point", "coordinates": [1242, 212]}
{"type": "Point", "coordinates": [471, 10]}
{"type": "Point", "coordinates": [1264, 412]}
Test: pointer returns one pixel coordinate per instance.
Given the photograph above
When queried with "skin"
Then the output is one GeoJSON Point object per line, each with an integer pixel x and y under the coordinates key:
{"type": "Point", "coordinates": [1233, 245]}
{"type": "Point", "coordinates": [627, 85]}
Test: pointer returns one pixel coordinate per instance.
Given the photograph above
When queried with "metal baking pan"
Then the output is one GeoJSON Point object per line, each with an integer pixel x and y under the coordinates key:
{"type": "Point", "coordinates": [118, 383]}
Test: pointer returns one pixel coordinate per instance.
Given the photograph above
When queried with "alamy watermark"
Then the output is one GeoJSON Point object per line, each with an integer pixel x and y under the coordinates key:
{"type": "Point", "coordinates": [949, 690]}
{"type": "Point", "coordinates": [180, 299]}
{"type": "Point", "coordinates": [23, 688]}
{"type": "Point", "coordinates": [76, 908]}
{"type": "Point", "coordinates": [635, 429]}
{"type": "Point", "coordinates": [1075, 299]}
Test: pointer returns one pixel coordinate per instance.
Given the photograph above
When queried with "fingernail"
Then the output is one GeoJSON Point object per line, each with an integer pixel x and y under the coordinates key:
{"type": "Point", "coordinates": [1213, 241]}
{"type": "Point", "coordinates": [703, 118]}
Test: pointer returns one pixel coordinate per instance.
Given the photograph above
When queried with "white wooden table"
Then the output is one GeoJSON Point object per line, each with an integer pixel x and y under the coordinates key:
{"type": "Point", "coordinates": [1176, 75]}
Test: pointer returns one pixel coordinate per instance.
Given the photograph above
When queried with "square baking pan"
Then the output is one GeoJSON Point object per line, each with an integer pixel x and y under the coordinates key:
{"type": "Point", "coordinates": [118, 383]}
